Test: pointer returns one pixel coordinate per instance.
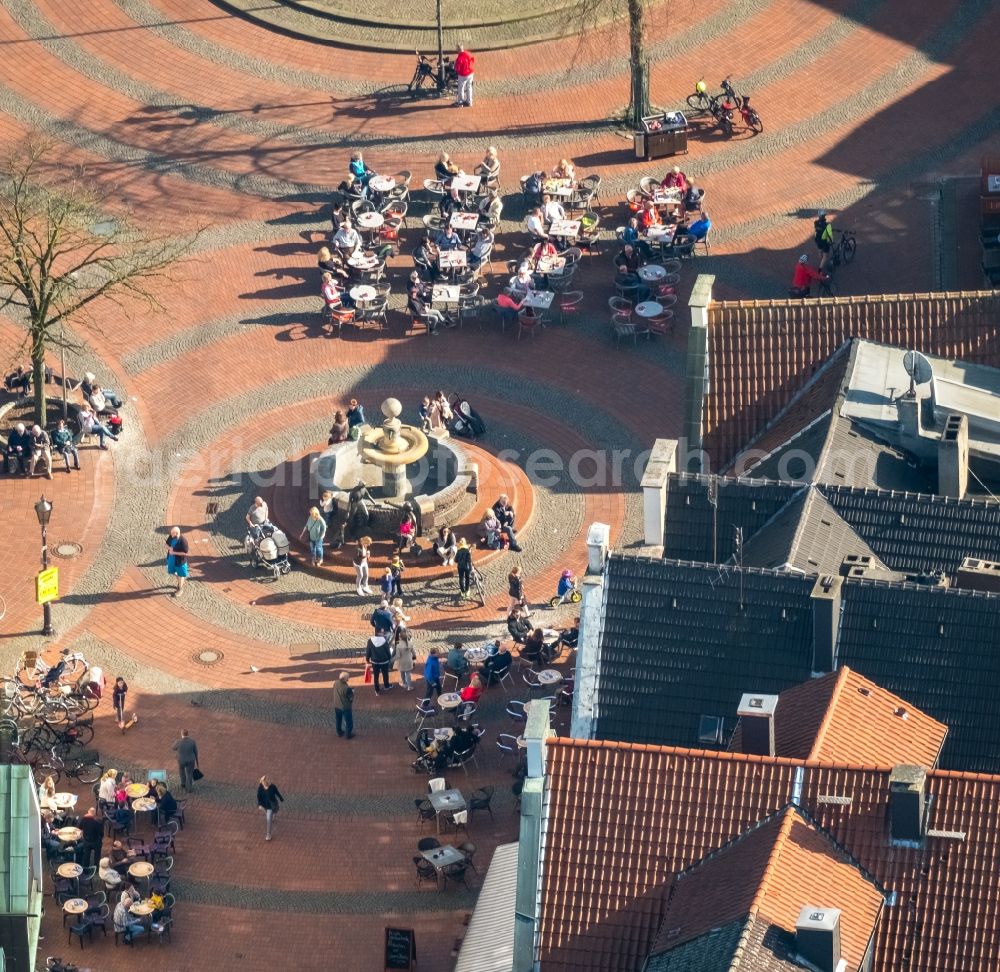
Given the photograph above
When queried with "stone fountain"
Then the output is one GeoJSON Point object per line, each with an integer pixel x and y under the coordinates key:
{"type": "Point", "coordinates": [391, 447]}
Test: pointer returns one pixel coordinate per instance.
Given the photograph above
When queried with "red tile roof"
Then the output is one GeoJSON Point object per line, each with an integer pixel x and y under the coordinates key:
{"type": "Point", "coordinates": [622, 819]}
{"type": "Point", "coordinates": [844, 717]}
{"type": "Point", "coordinates": [762, 352]}
{"type": "Point", "coordinates": [770, 873]}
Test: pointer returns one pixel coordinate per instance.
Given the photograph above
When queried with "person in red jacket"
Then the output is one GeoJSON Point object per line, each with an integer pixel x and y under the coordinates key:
{"type": "Point", "coordinates": [803, 278]}
{"type": "Point", "coordinates": [465, 64]}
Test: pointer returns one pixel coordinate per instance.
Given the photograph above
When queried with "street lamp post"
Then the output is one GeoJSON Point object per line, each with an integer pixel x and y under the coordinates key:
{"type": "Point", "coordinates": [442, 80]}
{"type": "Point", "coordinates": [43, 510]}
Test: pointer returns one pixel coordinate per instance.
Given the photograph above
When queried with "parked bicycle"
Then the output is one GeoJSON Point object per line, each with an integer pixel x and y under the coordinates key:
{"type": "Point", "coordinates": [701, 101]}
{"type": "Point", "coordinates": [427, 78]}
{"type": "Point", "coordinates": [741, 103]}
{"type": "Point", "coordinates": [45, 763]}
{"type": "Point", "coordinates": [844, 249]}
{"type": "Point", "coordinates": [477, 583]}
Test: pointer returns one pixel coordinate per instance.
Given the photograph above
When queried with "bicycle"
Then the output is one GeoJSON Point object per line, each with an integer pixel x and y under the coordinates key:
{"type": "Point", "coordinates": [424, 75]}
{"type": "Point", "coordinates": [844, 249]}
{"type": "Point", "coordinates": [50, 763]}
{"type": "Point", "coordinates": [477, 583]}
{"type": "Point", "coordinates": [701, 101]}
{"type": "Point", "coordinates": [572, 596]}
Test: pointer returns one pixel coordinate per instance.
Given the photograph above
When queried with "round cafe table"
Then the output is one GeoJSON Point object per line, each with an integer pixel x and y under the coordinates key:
{"type": "Point", "coordinates": [477, 655]}
{"type": "Point", "coordinates": [135, 790]}
{"type": "Point", "coordinates": [362, 262]}
{"type": "Point", "coordinates": [69, 835]}
{"type": "Point", "coordinates": [450, 700]}
{"type": "Point", "coordinates": [549, 677]}
{"type": "Point", "coordinates": [444, 734]}
{"type": "Point", "coordinates": [652, 272]}
{"type": "Point", "coordinates": [141, 908]}
{"type": "Point", "coordinates": [69, 870]}
{"type": "Point", "coordinates": [363, 292]}
{"type": "Point", "coordinates": [75, 906]}
{"type": "Point", "coordinates": [61, 801]}
{"type": "Point", "coordinates": [381, 183]}
{"type": "Point", "coordinates": [143, 805]}
{"type": "Point", "coordinates": [369, 220]}
{"type": "Point", "coordinates": [141, 870]}
{"type": "Point", "coordinates": [648, 308]}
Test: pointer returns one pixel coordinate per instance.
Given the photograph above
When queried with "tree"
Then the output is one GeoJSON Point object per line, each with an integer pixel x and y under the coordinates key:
{"type": "Point", "coordinates": [638, 64]}
{"type": "Point", "coordinates": [64, 245]}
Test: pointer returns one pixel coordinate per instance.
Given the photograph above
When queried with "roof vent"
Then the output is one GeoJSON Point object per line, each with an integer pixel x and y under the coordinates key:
{"type": "Point", "coordinates": [907, 799]}
{"type": "Point", "coordinates": [901, 712]}
{"type": "Point", "coordinates": [817, 937]}
{"type": "Point", "coordinates": [756, 714]}
{"type": "Point", "coordinates": [978, 575]}
{"type": "Point", "coordinates": [864, 690]}
{"type": "Point", "coordinates": [857, 565]}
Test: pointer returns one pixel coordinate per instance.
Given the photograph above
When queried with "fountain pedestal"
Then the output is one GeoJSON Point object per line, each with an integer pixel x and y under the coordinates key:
{"type": "Point", "coordinates": [392, 447]}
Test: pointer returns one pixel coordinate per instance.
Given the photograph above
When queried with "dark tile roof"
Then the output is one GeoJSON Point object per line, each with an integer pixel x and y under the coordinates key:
{"type": "Point", "coordinates": [770, 872]}
{"type": "Point", "coordinates": [622, 819]}
{"type": "Point", "coordinates": [761, 354]}
{"type": "Point", "coordinates": [682, 640]}
{"type": "Point", "coordinates": [770, 948]}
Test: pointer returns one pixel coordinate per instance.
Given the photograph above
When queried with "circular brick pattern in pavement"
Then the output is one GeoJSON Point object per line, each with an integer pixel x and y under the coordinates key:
{"type": "Point", "coordinates": [67, 550]}
{"type": "Point", "coordinates": [208, 657]}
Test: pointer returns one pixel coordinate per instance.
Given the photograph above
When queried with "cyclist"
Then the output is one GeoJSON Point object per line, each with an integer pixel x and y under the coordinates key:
{"type": "Point", "coordinates": [803, 278]}
{"type": "Point", "coordinates": [567, 584]}
{"type": "Point", "coordinates": [823, 234]}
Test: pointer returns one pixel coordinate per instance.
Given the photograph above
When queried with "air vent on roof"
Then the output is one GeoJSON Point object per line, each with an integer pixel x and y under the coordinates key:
{"type": "Point", "coordinates": [857, 565]}
{"type": "Point", "coordinates": [978, 575]}
{"type": "Point", "coordinates": [947, 834]}
{"type": "Point", "coordinates": [864, 690]}
{"type": "Point", "coordinates": [901, 712]}
{"type": "Point", "coordinates": [836, 801]}
{"type": "Point", "coordinates": [817, 937]}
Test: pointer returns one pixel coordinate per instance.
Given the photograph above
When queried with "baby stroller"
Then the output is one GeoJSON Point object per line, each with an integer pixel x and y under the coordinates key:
{"type": "Point", "coordinates": [466, 422]}
{"type": "Point", "coordinates": [267, 546]}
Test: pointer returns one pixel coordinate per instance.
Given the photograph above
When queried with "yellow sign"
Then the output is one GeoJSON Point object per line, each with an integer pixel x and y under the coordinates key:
{"type": "Point", "coordinates": [47, 585]}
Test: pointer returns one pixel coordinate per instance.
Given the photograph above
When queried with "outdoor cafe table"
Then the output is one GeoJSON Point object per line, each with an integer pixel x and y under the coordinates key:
{"type": "Point", "coordinates": [143, 805]}
{"type": "Point", "coordinates": [560, 188]}
{"type": "Point", "coordinates": [652, 272]}
{"type": "Point", "coordinates": [142, 908]}
{"type": "Point", "coordinates": [450, 700]}
{"type": "Point", "coordinates": [69, 835]}
{"type": "Point", "coordinates": [369, 221]}
{"type": "Point", "coordinates": [465, 221]}
{"type": "Point", "coordinates": [478, 654]}
{"type": "Point", "coordinates": [567, 229]}
{"type": "Point", "coordinates": [363, 292]}
{"type": "Point", "coordinates": [444, 734]}
{"type": "Point", "coordinates": [539, 299]}
{"type": "Point", "coordinates": [135, 790]}
{"type": "Point", "coordinates": [61, 801]}
{"type": "Point", "coordinates": [661, 235]}
{"type": "Point", "coordinates": [361, 261]}
{"type": "Point", "coordinates": [69, 870]}
{"type": "Point", "coordinates": [446, 801]}
{"type": "Point", "coordinates": [549, 676]}
{"type": "Point", "coordinates": [649, 308]}
{"type": "Point", "coordinates": [450, 259]}
{"type": "Point", "coordinates": [442, 856]}
{"type": "Point", "coordinates": [142, 870]}
{"type": "Point", "coordinates": [381, 183]}
{"type": "Point", "coordinates": [75, 906]}
{"type": "Point", "coordinates": [466, 183]}
{"type": "Point", "coordinates": [547, 264]}
{"type": "Point", "coordinates": [444, 294]}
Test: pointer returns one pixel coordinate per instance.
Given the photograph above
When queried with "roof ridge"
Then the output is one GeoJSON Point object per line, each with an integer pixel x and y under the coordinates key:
{"type": "Point", "coordinates": [567, 742]}
{"type": "Point", "coordinates": [842, 675]}
{"type": "Point", "coordinates": [748, 923]}
{"type": "Point", "coordinates": [772, 859]}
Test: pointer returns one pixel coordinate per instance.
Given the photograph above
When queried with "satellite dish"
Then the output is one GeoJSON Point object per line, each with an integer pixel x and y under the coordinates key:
{"type": "Point", "coordinates": [918, 368]}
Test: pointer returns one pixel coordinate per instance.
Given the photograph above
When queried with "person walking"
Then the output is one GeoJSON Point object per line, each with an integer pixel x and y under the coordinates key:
{"type": "Point", "coordinates": [378, 654]}
{"type": "Point", "coordinates": [343, 705]}
{"type": "Point", "coordinates": [465, 64]}
{"type": "Point", "coordinates": [316, 528]}
{"type": "Point", "coordinates": [118, 694]}
{"type": "Point", "coordinates": [432, 673]}
{"type": "Point", "coordinates": [269, 798]}
{"type": "Point", "coordinates": [93, 836]}
{"type": "Point", "coordinates": [177, 559]}
{"type": "Point", "coordinates": [463, 560]}
{"type": "Point", "coordinates": [404, 655]}
{"type": "Point", "coordinates": [515, 588]}
{"type": "Point", "coordinates": [187, 759]}
{"type": "Point", "coordinates": [361, 565]}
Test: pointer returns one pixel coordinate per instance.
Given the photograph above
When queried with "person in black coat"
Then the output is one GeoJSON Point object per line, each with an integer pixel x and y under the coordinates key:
{"type": "Point", "coordinates": [518, 626]}
{"type": "Point", "coordinates": [166, 805]}
{"type": "Point", "coordinates": [463, 561]}
{"type": "Point", "coordinates": [269, 799]}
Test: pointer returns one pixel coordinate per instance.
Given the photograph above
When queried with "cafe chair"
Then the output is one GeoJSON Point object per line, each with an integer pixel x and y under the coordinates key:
{"type": "Point", "coordinates": [421, 317]}
{"type": "Point", "coordinates": [425, 811]}
{"type": "Point", "coordinates": [449, 672]}
{"type": "Point", "coordinates": [95, 902]}
{"type": "Point", "coordinates": [621, 305]}
{"type": "Point", "coordinates": [459, 820]}
{"type": "Point", "coordinates": [101, 919]}
{"type": "Point", "coordinates": [469, 850]}
{"type": "Point", "coordinates": [376, 311]}
{"type": "Point", "coordinates": [436, 785]}
{"type": "Point", "coordinates": [127, 938]}
{"type": "Point", "coordinates": [86, 878]}
{"type": "Point", "coordinates": [506, 743]}
{"type": "Point", "coordinates": [527, 322]}
{"type": "Point", "coordinates": [428, 843]}
{"type": "Point", "coordinates": [168, 902]}
{"type": "Point", "coordinates": [85, 927]}
{"type": "Point", "coordinates": [462, 757]}
{"type": "Point", "coordinates": [425, 711]}
{"type": "Point", "coordinates": [425, 870]}
{"type": "Point", "coordinates": [703, 243]}
{"type": "Point", "coordinates": [648, 186]}
{"type": "Point", "coordinates": [516, 711]}
{"type": "Point", "coordinates": [178, 816]}
{"type": "Point", "coordinates": [661, 324]}
{"type": "Point", "coordinates": [161, 929]}
{"type": "Point", "coordinates": [455, 873]}
{"type": "Point", "coordinates": [159, 881]}
{"type": "Point", "coordinates": [433, 223]}
{"type": "Point", "coordinates": [481, 799]}
{"type": "Point", "coordinates": [635, 200]}
{"type": "Point", "coordinates": [404, 176]}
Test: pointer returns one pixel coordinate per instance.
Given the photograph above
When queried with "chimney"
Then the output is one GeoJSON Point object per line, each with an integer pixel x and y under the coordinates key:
{"type": "Point", "coordinates": [953, 457]}
{"type": "Point", "coordinates": [978, 575]}
{"type": "Point", "coordinates": [661, 463]}
{"type": "Point", "coordinates": [817, 937]}
{"type": "Point", "coordinates": [826, 622]}
{"type": "Point", "coordinates": [598, 538]}
{"type": "Point", "coordinates": [756, 714]}
{"type": "Point", "coordinates": [907, 794]}
{"type": "Point", "coordinates": [908, 410]}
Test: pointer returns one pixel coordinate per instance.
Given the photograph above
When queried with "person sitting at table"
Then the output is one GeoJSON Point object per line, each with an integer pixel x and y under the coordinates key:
{"type": "Point", "coordinates": [456, 663]}
{"type": "Point", "coordinates": [508, 309]}
{"type": "Point", "coordinates": [54, 847]}
{"type": "Point", "coordinates": [448, 239]}
{"type": "Point", "coordinates": [543, 249]}
{"type": "Point", "coordinates": [495, 666]}
{"type": "Point", "coordinates": [125, 924]}
{"type": "Point", "coordinates": [689, 234]}
{"type": "Point", "coordinates": [480, 246]}
{"type": "Point", "coordinates": [444, 168]}
{"type": "Point", "coordinates": [650, 215]}
{"type": "Point", "coordinates": [111, 878]}
{"type": "Point", "coordinates": [692, 198]}
{"type": "Point", "coordinates": [166, 805]}
{"type": "Point", "coordinates": [564, 170]}
{"type": "Point", "coordinates": [418, 303]}
{"type": "Point", "coordinates": [335, 297]}
{"type": "Point", "coordinates": [569, 636]}
{"type": "Point", "coordinates": [535, 224]}
{"type": "Point", "coordinates": [523, 284]}
{"type": "Point", "coordinates": [489, 168]}
{"type": "Point", "coordinates": [347, 238]}
{"type": "Point", "coordinates": [426, 254]}
{"type": "Point", "coordinates": [472, 692]}
{"type": "Point", "coordinates": [518, 626]}
{"type": "Point", "coordinates": [332, 262]}
{"type": "Point", "coordinates": [628, 261]}
{"type": "Point", "coordinates": [121, 857]}
{"type": "Point", "coordinates": [491, 205]}
{"type": "Point", "coordinates": [362, 174]}
{"type": "Point", "coordinates": [675, 179]}
{"type": "Point", "coordinates": [350, 188]}
{"type": "Point", "coordinates": [47, 791]}
{"type": "Point", "coordinates": [535, 650]}
{"type": "Point", "coordinates": [552, 209]}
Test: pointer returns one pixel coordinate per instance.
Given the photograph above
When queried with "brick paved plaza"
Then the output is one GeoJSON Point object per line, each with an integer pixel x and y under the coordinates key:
{"type": "Point", "coordinates": [199, 117]}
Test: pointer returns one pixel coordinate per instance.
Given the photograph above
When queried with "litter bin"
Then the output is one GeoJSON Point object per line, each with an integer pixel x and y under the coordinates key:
{"type": "Point", "coordinates": [661, 135]}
